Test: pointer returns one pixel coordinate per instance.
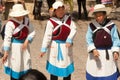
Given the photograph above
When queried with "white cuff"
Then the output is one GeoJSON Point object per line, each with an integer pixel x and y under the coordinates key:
{"type": "Point", "coordinates": [91, 47]}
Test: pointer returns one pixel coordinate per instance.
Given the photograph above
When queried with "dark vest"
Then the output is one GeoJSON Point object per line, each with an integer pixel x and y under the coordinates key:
{"type": "Point", "coordinates": [101, 38]}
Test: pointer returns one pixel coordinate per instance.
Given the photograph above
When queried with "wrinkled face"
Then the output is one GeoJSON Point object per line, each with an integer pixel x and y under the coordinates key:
{"type": "Point", "coordinates": [100, 16]}
{"type": "Point", "coordinates": [60, 12]}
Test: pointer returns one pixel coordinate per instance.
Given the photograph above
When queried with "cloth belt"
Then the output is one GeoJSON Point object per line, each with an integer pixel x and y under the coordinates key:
{"type": "Point", "coordinates": [60, 55]}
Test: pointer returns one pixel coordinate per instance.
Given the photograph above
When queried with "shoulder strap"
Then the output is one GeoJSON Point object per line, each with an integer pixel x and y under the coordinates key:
{"type": "Point", "coordinates": [21, 25]}
{"type": "Point", "coordinates": [59, 23]}
{"type": "Point", "coordinates": [98, 26]}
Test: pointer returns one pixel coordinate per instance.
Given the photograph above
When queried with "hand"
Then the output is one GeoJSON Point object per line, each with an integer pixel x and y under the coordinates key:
{"type": "Point", "coordinates": [42, 54]}
{"type": "Point", "coordinates": [4, 58]}
{"type": "Point", "coordinates": [115, 55]}
{"type": "Point", "coordinates": [25, 45]}
{"type": "Point", "coordinates": [95, 53]}
{"type": "Point", "coordinates": [68, 45]}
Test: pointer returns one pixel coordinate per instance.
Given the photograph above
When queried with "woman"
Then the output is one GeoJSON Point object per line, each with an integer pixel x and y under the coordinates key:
{"type": "Point", "coordinates": [58, 39]}
{"type": "Point", "coordinates": [18, 34]}
{"type": "Point", "coordinates": [103, 46]}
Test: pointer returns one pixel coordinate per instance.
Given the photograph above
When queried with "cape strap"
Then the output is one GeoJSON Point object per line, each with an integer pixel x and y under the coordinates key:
{"type": "Point", "coordinates": [60, 23]}
{"type": "Point", "coordinates": [21, 25]}
{"type": "Point", "coordinates": [98, 26]}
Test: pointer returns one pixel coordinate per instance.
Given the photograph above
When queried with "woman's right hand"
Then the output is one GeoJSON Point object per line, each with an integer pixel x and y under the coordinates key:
{"type": "Point", "coordinates": [95, 53]}
{"type": "Point", "coordinates": [4, 58]}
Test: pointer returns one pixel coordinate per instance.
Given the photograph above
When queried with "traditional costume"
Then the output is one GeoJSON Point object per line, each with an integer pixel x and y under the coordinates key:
{"type": "Point", "coordinates": [60, 58]}
{"type": "Point", "coordinates": [104, 38]}
{"type": "Point", "coordinates": [16, 32]}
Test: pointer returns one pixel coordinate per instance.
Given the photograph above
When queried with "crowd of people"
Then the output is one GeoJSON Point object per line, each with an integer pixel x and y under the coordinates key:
{"type": "Point", "coordinates": [38, 5]}
{"type": "Point", "coordinates": [102, 40]}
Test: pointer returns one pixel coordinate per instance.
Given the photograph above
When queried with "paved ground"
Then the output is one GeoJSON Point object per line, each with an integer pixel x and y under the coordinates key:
{"type": "Point", "coordinates": [80, 53]}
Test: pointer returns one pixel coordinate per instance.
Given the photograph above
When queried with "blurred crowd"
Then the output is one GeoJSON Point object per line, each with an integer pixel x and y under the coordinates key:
{"type": "Point", "coordinates": [6, 5]}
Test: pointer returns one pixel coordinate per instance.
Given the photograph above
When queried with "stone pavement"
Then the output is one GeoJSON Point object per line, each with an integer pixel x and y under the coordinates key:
{"type": "Point", "coordinates": [80, 51]}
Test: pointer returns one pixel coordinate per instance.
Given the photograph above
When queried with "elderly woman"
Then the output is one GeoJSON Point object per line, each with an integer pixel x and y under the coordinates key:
{"type": "Point", "coordinates": [18, 34]}
{"type": "Point", "coordinates": [58, 40]}
{"type": "Point", "coordinates": [103, 46]}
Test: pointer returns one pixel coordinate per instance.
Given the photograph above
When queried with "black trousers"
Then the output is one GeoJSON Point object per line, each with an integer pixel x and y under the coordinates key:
{"type": "Point", "coordinates": [50, 2]}
{"type": "Point", "coordinates": [52, 77]}
{"type": "Point", "coordinates": [83, 4]}
{"type": "Point", "coordinates": [37, 9]}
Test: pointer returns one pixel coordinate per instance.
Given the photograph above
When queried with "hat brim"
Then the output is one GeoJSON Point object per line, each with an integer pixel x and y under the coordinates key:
{"type": "Point", "coordinates": [18, 14]}
{"type": "Point", "coordinates": [107, 10]}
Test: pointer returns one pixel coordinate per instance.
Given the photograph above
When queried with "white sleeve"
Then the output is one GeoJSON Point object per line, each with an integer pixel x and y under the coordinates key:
{"type": "Point", "coordinates": [73, 30]}
{"type": "Point", "coordinates": [47, 35]}
{"type": "Point", "coordinates": [9, 28]}
{"type": "Point", "coordinates": [31, 34]}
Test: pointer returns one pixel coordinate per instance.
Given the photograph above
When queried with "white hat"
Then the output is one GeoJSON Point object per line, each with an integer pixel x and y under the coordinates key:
{"type": "Point", "coordinates": [100, 8]}
{"type": "Point", "coordinates": [57, 4]}
{"type": "Point", "coordinates": [18, 10]}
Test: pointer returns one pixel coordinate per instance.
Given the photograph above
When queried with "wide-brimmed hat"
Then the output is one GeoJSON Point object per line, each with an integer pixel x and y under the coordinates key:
{"type": "Point", "coordinates": [100, 8]}
{"type": "Point", "coordinates": [18, 10]}
{"type": "Point", "coordinates": [57, 4]}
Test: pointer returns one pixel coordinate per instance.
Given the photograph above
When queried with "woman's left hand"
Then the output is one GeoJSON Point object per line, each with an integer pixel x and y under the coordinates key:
{"type": "Point", "coordinates": [68, 45]}
{"type": "Point", "coordinates": [25, 45]}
